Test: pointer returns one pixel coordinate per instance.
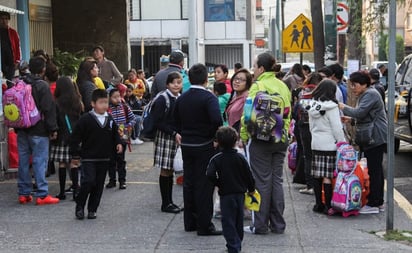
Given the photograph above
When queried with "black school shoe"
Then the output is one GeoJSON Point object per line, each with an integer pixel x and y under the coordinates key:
{"type": "Point", "coordinates": [110, 185]}
{"type": "Point", "coordinates": [170, 209]}
{"type": "Point", "coordinates": [122, 186]}
{"type": "Point", "coordinates": [91, 215]}
{"type": "Point", "coordinates": [209, 232]}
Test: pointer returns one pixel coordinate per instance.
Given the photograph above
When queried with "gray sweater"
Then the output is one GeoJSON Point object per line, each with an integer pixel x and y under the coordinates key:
{"type": "Point", "coordinates": [370, 106]}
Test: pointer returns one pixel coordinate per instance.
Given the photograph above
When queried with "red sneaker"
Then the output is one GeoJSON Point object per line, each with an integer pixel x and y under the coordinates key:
{"type": "Point", "coordinates": [25, 199]}
{"type": "Point", "coordinates": [48, 200]}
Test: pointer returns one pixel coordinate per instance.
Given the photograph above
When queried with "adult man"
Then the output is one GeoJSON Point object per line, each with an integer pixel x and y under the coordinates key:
{"type": "Point", "coordinates": [376, 83]}
{"type": "Point", "coordinates": [197, 117]}
{"type": "Point", "coordinates": [108, 71]}
{"type": "Point", "coordinates": [267, 157]}
{"type": "Point", "coordinates": [10, 47]}
{"type": "Point", "coordinates": [337, 76]}
{"type": "Point", "coordinates": [176, 62]}
{"type": "Point", "coordinates": [383, 75]}
{"type": "Point", "coordinates": [34, 141]}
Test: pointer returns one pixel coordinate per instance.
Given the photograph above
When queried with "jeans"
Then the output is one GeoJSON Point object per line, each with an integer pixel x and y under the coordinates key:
{"type": "Point", "coordinates": [38, 148]}
{"type": "Point", "coordinates": [136, 127]}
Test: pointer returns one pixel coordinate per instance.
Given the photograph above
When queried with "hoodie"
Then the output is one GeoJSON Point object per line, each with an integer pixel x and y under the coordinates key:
{"type": "Point", "coordinates": [325, 125]}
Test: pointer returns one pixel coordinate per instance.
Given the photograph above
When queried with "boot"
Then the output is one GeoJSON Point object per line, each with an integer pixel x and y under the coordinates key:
{"type": "Point", "coordinates": [167, 206]}
{"type": "Point", "coordinates": [62, 183]}
{"type": "Point", "coordinates": [328, 196]}
{"type": "Point", "coordinates": [74, 172]}
{"type": "Point", "coordinates": [317, 188]}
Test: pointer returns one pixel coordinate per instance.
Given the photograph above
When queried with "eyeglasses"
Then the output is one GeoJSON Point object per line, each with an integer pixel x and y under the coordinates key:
{"type": "Point", "coordinates": [238, 79]}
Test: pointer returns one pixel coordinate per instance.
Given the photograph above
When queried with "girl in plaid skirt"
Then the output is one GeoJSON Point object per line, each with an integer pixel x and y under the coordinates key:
{"type": "Point", "coordinates": [327, 130]}
{"type": "Point", "coordinates": [69, 108]}
{"type": "Point", "coordinates": [164, 144]}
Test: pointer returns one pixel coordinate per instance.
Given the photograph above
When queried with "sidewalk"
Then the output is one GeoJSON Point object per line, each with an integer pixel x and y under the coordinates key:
{"type": "Point", "coordinates": [130, 221]}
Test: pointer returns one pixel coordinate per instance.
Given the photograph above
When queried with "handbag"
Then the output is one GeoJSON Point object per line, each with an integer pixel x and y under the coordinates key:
{"type": "Point", "coordinates": [178, 161]}
{"type": "Point", "coordinates": [364, 133]}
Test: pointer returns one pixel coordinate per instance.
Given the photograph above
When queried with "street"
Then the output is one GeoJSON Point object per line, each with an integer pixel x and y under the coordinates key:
{"type": "Point", "coordinates": [403, 170]}
{"type": "Point", "coordinates": [131, 221]}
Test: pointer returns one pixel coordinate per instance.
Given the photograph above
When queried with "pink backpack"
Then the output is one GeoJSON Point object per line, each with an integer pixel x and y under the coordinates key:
{"type": "Point", "coordinates": [19, 107]}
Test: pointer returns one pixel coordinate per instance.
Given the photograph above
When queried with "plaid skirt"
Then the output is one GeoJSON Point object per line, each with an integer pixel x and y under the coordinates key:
{"type": "Point", "coordinates": [323, 163]}
{"type": "Point", "coordinates": [59, 153]}
{"type": "Point", "coordinates": [164, 151]}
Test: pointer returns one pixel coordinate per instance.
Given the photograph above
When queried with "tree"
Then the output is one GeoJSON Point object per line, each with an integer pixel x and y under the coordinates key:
{"type": "Point", "coordinates": [383, 39]}
{"type": "Point", "coordinates": [318, 33]}
{"type": "Point", "coordinates": [400, 48]}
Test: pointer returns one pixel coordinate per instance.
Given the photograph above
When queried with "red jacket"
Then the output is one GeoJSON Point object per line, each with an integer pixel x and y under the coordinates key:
{"type": "Point", "coordinates": [15, 44]}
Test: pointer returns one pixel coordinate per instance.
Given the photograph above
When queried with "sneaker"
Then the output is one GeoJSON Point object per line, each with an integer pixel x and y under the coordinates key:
{"type": "Point", "coordinates": [48, 200]}
{"type": "Point", "coordinates": [25, 199]}
{"type": "Point", "coordinates": [369, 210]}
{"type": "Point", "coordinates": [381, 208]}
{"type": "Point", "coordinates": [308, 191]}
{"type": "Point", "coordinates": [249, 229]}
{"type": "Point", "coordinates": [138, 141]}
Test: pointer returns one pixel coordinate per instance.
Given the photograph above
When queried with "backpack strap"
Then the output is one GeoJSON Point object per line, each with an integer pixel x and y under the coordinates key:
{"type": "Point", "coordinates": [69, 126]}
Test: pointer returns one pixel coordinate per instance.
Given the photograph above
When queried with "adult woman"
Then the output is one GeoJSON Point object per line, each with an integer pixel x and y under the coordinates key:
{"type": "Point", "coordinates": [221, 73]}
{"type": "Point", "coordinates": [88, 70]}
{"type": "Point", "coordinates": [326, 129]}
{"type": "Point", "coordinates": [295, 77]}
{"type": "Point", "coordinates": [241, 82]}
{"type": "Point", "coordinates": [369, 113]}
{"type": "Point", "coordinates": [69, 108]}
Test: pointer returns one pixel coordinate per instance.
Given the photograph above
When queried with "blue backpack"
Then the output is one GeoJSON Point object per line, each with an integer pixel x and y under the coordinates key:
{"type": "Point", "coordinates": [147, 124]}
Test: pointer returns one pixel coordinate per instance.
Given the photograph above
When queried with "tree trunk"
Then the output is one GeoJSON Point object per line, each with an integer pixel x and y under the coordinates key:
{"type": "Point", "coordinates": [354, 40]}
{"type": "Point", "coordinates": [318, 33]}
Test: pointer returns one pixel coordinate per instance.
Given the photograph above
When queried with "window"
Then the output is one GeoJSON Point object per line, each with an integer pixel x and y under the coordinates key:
{"type": "Point", "coordinates": [158, 9]}
{"type": "Point", "coordinates": [135, 9]}
{"type": "Point", "coordinates": [225, 10]}
{"type": "Point", "coordinates": [219, 10]}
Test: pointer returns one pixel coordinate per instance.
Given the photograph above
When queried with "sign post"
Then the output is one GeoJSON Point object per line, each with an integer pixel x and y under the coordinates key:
{"type": "Point", "coordinates": [297, 36]}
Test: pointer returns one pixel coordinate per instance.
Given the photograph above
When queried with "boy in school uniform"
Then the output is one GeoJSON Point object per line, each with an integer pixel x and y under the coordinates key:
{"type": "Point", "coordinates": [230, 172]}
{"type": "Point", "coordinates": [98, 134]}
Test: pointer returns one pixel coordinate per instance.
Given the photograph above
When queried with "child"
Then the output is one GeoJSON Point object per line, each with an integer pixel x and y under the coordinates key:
{"type": "Point", "coordinates": [69, 108]}
{"type": "Point", "coordinates": [98, 134]}
{"type": "Point", "coordinates": [136, 105]}
{"type": "Point", "coordinates": [326, 129]}
{"type": "Point", "coordinates": [230, 171]}
{"type": "Point", "coordinates": [125, 119]}
{"type": "Point", "coordinates": [165, 144]}
{"type": "Point", "coordinates": [219, 89]}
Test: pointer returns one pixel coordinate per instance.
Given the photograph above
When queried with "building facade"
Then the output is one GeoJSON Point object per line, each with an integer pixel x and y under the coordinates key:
{"type": "Point", "coordinates": [222, 31]}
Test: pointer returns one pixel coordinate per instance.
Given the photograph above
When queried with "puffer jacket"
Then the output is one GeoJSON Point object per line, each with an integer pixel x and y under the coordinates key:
{"type": "Point", "coordinates": [325, 125]}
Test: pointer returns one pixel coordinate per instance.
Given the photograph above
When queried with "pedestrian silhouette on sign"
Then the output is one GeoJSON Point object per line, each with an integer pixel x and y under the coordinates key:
{"type": "Point", "coordinates": [295, 36]}
{"type": "Point", "coordinates": [306, 33]}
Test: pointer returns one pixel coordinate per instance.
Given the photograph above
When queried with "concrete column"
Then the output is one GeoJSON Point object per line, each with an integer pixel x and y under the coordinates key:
{"type": "Point", "coordinates": [23, 29]}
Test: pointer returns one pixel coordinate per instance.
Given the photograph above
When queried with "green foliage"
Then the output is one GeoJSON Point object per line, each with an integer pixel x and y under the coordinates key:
{"type": "Point", "coordinates": [67, 62]}
{"type": "Point", "coordinates": [396, 235]}
{"type": "Point", "coordinates": [382, 47]}
{"type": "Point", "coordinates": [400, 48]}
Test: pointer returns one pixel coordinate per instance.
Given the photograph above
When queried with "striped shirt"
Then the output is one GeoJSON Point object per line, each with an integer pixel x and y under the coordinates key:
{"type": "Point", "coordinates": [122, 115]}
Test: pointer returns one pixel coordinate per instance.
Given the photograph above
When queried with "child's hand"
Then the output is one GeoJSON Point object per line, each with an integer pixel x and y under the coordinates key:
{"type": "Point", "coordinates": [119, 148]}
{"type": "Point", "coordinates": [178, 139]}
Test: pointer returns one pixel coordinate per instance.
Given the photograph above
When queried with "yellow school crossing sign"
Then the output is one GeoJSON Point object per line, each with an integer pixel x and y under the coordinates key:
{"type": "Point", "coordinates": [297, 37]}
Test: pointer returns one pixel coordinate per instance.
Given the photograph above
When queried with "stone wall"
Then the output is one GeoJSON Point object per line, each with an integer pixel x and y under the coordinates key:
{"type": "Point", "coordinates": [82, 24]}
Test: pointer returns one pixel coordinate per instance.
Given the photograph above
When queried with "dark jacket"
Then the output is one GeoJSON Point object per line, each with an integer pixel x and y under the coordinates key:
{"type": "Point", "coordinates": [45, 104]}
{"type": "Point", "coordinates": [93, 142]}
{"type": "Point", "coordinates": [86, 89]}
{"type": "Point", "coordinates": [164, 117]}
{"type": "Point", "coordinates": [197, 116]}
{"type": "Point", "coordinates": [230, 171]}
{"type": "Point", "coordinates": [159, 82]}
{"type": "Point", "coordinates": [64, 133]}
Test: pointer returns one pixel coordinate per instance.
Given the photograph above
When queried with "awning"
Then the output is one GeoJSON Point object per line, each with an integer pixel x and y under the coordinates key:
{"type": "Point", "coordinates": [10, 10]}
